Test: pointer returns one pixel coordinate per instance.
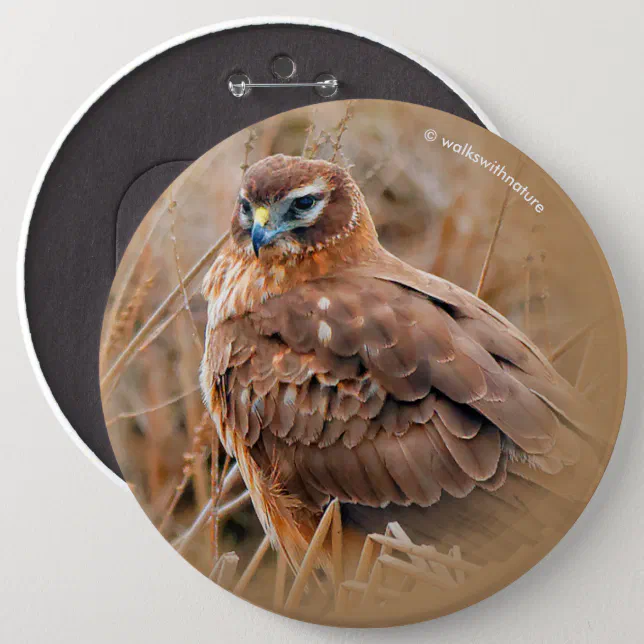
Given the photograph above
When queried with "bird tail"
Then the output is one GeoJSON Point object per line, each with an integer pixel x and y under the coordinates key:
{"type": "Point", "coordinates": [488, 526]}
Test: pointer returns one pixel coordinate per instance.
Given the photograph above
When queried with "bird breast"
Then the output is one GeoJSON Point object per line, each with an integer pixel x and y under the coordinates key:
{"type": "Point", "coordinates": [236, 284]}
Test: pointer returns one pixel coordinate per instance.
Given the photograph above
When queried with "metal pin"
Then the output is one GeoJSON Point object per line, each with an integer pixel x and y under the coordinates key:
{"type": "Point", "coordinates": [239, 85]}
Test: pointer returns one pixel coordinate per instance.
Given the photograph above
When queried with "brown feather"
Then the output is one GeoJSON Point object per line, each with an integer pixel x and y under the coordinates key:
{"type": "Point", "coordinates": [333, 369]}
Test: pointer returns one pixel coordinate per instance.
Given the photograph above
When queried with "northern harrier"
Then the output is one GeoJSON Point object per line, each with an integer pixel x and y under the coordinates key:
{"type": "Point", "coordinates": [332, 369]}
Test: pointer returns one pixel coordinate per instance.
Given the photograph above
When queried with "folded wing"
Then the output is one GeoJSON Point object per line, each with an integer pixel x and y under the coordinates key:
{"type": "Point", "coordinates": [385, 385]}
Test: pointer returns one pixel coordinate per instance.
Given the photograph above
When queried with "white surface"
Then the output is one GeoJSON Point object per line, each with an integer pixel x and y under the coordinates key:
{"type": "Point", "coordinates": [79, 561]}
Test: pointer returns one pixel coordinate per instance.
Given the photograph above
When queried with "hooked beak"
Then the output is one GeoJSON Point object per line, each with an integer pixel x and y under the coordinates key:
{"type": "Point", "coordinates": [259, 235]}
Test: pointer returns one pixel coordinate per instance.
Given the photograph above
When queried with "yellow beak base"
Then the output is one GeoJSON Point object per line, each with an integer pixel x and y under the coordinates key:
{"type": "Point", "coordinates": [261, 216]}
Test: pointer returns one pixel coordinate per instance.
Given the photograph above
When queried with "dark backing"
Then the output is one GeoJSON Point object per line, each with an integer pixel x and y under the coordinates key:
{"type": "Point", "coordinates": [134, 141]}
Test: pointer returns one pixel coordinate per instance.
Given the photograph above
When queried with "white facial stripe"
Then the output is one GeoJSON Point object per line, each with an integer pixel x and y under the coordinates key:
{"type": "Point", "coordinates": [319, 185]}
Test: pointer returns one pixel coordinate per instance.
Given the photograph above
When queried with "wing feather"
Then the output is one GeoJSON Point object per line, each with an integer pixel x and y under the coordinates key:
{"type": "Point", "coordinates": [387, 385]}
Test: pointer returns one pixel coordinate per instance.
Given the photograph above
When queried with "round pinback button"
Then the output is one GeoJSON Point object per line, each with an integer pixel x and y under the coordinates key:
{"type": "Point", "coordinates": [362, 363]}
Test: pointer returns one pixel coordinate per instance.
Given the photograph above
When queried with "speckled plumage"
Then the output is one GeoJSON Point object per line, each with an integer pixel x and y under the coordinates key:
{"type": "Point", "coordinates": [334, 370]}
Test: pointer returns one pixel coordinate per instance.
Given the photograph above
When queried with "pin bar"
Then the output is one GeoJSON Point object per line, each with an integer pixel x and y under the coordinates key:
{"type": "Point", "coordinates": [240, 88]}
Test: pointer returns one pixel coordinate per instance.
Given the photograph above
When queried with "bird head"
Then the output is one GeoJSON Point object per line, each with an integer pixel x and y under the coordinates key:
{"type": "Point", "coordinates": [288, 206]}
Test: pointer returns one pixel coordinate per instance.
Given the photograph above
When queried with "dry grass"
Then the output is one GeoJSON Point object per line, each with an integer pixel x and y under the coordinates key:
{"type": "Point", "coordinates": [152, 342]}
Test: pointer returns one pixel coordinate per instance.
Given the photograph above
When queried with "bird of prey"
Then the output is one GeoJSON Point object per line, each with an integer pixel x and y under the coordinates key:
{"type": "Point", "coordinates": [333, 370]}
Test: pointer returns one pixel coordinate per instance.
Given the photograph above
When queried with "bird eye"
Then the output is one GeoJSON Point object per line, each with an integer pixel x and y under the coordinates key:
{"type": "Point", "coordinates": [245, 206]}
{"type": "Point", "coordinates": [304, 203]}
